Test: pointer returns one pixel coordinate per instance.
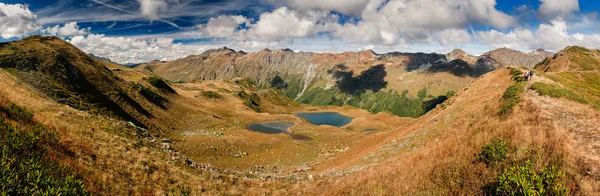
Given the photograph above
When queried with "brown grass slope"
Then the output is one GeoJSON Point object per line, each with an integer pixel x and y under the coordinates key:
{"type": "Point", "coordinates": [437, 154]}
{"type": "Point", "coordinates": [69, 76]}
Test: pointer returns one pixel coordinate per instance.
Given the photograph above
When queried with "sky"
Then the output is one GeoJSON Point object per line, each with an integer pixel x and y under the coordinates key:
{"type": "Point", "coordinates": [137, 31]}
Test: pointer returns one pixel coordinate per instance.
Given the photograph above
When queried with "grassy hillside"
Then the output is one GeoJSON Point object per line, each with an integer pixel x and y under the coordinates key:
{"type": "Point", "coordinates": [576, 69]}
{"type": "Point", "coordinates": [32, 161]}
{"type": "Point", "coordinates": [71, 77]}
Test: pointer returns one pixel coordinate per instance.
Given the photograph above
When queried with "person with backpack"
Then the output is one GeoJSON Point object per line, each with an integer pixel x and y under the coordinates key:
{"type": "Point", "coordinates": [530, 74]}
{"type": "Point", "coordinates": [526, 75]}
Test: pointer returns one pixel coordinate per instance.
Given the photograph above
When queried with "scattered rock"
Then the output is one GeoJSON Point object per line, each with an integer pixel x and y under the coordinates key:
{"type": "Point", "coordinates": [303, 168]}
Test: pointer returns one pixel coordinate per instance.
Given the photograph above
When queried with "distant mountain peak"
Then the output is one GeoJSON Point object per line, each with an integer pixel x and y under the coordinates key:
{"type": "Point", "coordinates": [457, 53]}
{"type": "Point", "coordinates": [368, 51]}
{"type": "Point", "coordinates": [542, 52]}
{"type": "Point", "coordinates": [224, 48]}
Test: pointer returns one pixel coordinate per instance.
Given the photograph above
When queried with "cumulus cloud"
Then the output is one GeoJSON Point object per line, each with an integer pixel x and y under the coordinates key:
{"type": "Point", "coordinates": [285, 23]}
{"type": "Point", "coordinates": [130, 50]}
{"type": "Point", "coordinates": [552, 36]}
{"type": "Point", "coordinates": [346, 7]}
{"type": "Point", "coordinates": [152, 8]}
{"type": "Point", "coordinates": [67, 30]}
{"type": "Point", "coordinates": [453, 36]}
{"type": "Point", "coordinates": [415, 20]}
{"type": "Point", "coordinates": [224, 26]}
{"type": "Point", "coordinates": [393, 22]}
{"type": "Point", "coordinates": [278, 25]}
{"type": "Point", "coordinates": [16, 20]}
{"type": "Point", "coordinates": [550, 9]}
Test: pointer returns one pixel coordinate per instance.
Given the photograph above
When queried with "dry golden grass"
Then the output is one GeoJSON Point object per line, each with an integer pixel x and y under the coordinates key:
{"type": "Point", "coordinates": [439, 156]}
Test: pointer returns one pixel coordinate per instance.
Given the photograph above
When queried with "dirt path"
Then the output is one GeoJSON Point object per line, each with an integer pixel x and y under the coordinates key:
{"type": "Point", "coordinates": [580, 122]}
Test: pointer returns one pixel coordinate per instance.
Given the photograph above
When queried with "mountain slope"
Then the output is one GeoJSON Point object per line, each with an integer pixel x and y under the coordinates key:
{"type": "Point", "coordinates": [577, 69]}
{"type": "Point", "coordinates": [439, 152]}
{"type": "Point", "coordinates": [301, 75]}
{"type": "Point", "coordinates": [69, 76]}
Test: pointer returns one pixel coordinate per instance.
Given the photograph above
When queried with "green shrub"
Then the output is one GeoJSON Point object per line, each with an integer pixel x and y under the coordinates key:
{"type": "Point", "coordinates": [546, 61]}
{"type": "Point", "coordinates": [556, 92]}
{"type": "Point", "coordinates": [523, 179]}
{"type": "Point", "coordinates": [496, 151]}
{"type": "Point", "coordinates": [151, 96]}
{"type": "Point", "coordinates": [211, 94]}
{"type": "Point", "coordinates": [252, 100]}
{"type": "Point", "coordinates": [245, 83]}
{"type": "Point", "coordinates": [511, 97]}
{"type": "Point", "coordinates": [181, 190]}
{"type": "Point", "coordinates": [24, 166]}
{"type": "Point", "coordinates": [19, 113]}
{"type": "Point", "coordinates": [517, 74]}
{"type": "Point", "coordinates": [159, 83]}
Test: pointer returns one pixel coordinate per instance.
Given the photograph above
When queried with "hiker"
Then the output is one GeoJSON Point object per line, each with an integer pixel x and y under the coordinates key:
{"type": "Point", "coordinates": [526, 75]}
{"type": "Point", "coordinates": [530, 74]}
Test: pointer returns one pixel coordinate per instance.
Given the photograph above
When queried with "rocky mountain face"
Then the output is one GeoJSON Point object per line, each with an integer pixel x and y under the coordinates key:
{"type": "Point", "coordinates": [502, 57]}
{"type": "Point", "coordinates": [296, 73]}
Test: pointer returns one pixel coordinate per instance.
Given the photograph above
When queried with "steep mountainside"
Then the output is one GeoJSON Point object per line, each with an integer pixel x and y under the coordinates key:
{"type": "Point", "coordinates": [69, 76]}
{"type": "Point", "coordinates": [417, 78]}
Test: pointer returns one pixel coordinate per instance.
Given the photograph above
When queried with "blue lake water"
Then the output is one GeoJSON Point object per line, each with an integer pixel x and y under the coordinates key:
{"type": "Point", "coordinates": [325, 118]}
{"type": "Point", "coordinates": [271, 127]}
{"type": "Point", "coordinates": [276, 127]}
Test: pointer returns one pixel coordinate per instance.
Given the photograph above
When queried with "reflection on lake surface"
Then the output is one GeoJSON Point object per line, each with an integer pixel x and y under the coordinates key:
{"type": "Point", "coordinates": [276, 127]}
{"type": "Point", "coordinates": [325, 118]}
{"type": "Point", "coordinates": [271, 127]}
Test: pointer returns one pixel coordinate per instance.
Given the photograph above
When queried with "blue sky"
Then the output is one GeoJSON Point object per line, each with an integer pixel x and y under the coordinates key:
{"type": "Point", "coordinates": [134, 31]}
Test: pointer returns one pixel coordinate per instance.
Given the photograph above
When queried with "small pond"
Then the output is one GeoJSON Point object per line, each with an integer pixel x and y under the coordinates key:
{"type": "Point", "coordinates": [276, 127]}
{"type": "Point", "coordinates": [325, 118]}
{"type": "Point", "coordinates": [271, 127]}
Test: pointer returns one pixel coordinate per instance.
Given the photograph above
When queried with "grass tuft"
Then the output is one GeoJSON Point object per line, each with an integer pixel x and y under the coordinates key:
{"type": "Point", "coordinates": [511, 97]}
{"type": "Point", "coordinates": [159, 83]}
{"type": "Point", "coordinates": [496, 151]}
{"type": "Point", "coordinates": [24, 163]}
{"type": "Point", "coordinates": [523, 179]}
{"type": "Point", "coordinates": [18, 113]}
{"type": "Point", "coordinates": [211, 94]}
{"type": "Point", "coordinates": [556, 92]}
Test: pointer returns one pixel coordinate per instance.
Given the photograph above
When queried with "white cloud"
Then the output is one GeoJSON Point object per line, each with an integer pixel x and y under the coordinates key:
{"type": "Point", "coordinates": [284, 23]}
{"type": "Point", "coordinates": [453, 36]}
{"type": "Point", "coordinates": [67, 30]}
{"type": "Point", "coordinates": [224, 26]}
{"type": "Point", "coordinates": [152, 8]}
{"type": "Point", "coordinates": [346, 7]}
{"type": "Point", "coordinates": [394, 22]}
{"type": "Point", "coordinates": [513, 39]}
{"type": "Point", "coordinates": [550, 9]}
{"type": "Point", "coordinates": [551, 36]}
{"type": "Point", "coordinates": [409, 21]}
{"type": "Point", "coordinates": [16, 20]}
{"type": "Point", "coordinates": [131, 50]}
